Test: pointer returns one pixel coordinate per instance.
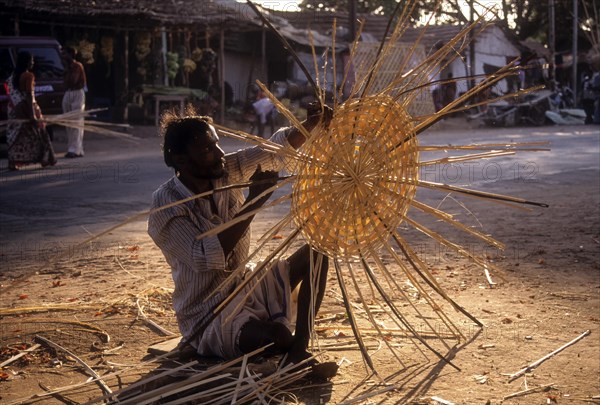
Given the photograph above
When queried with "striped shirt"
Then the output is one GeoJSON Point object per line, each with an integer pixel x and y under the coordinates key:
{"type": "Point", "coordinates": [199, 266]}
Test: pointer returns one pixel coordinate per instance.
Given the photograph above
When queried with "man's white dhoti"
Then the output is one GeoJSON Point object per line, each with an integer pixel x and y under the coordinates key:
{"type": "Point", "coordinates": [270, 301]}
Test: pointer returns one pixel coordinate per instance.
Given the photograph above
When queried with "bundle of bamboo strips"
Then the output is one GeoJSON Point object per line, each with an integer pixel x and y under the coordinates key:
{"type": "Point", "coordinates": [80, 120]}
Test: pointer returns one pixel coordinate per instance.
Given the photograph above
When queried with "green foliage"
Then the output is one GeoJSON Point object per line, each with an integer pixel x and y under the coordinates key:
{"type": "Point", "coordinates": [526, 18]}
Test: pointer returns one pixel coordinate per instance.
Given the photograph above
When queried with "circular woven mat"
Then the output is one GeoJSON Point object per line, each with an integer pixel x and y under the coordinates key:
{"type": "Point", "coordinates": [359, 178]}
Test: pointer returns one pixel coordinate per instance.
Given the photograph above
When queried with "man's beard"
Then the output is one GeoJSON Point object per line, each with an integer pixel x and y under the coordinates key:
{"type": "Point", "coordinates": [214, 173]}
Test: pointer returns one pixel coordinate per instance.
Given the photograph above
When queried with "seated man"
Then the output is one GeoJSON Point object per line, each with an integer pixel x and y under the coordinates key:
{"type": "Point", "coordinates": [191, 148]}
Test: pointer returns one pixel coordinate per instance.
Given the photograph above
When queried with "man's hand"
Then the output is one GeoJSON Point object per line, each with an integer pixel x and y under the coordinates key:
{"type": "Point", "coordinates": [261, 181]}
{"type": "Point", "coordinates": [317, 113]}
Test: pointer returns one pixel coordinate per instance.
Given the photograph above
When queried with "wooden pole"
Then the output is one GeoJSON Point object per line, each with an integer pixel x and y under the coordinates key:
{"type": "Point", "coordinates": [16, 26]}
{"type": "Point", "coordinates": [472, 61]}
{"type": "Point", "coordinates": [163, 38]}
{"type": "Point", "coordinates": [352, 19]}
{"type": "Point", "coordinates": [574, 71]}
{"type": "Point", "coordinates": [222, 76]}
{"type": "Point", "coordinates": [263, 55]}
{"type": "Point", "coordinates": [551, 45]}
{"type": "Point", "coordinates": [125, 112]}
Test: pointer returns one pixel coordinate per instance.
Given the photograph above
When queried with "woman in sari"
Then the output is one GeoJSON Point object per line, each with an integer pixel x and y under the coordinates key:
{"type": "Point", "coordinates": [27, 138]}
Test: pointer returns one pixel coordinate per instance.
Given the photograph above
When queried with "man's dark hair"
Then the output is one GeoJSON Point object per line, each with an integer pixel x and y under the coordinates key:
{"type": "Point", "coordinates": [178, 131]}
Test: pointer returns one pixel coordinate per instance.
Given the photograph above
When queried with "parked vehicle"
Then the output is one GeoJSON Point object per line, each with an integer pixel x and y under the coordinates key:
{"type": "Point", "coordinates": [48, 69]}
{"type": "Point", "coordinates": [529, 109]}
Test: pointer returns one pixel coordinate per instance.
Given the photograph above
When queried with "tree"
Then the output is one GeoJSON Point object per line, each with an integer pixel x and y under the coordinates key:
{"type": "Point", "coordinates": [526, 18]}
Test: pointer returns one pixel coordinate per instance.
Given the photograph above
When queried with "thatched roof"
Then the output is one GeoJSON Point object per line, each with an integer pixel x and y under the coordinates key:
{"type": "Point", "coordinates": [145, 14]}
{"type": "Point", "coordinates": [130, 14]}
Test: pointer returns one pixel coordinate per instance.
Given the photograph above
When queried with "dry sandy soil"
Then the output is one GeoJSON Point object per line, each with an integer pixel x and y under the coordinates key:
{"type": "Point", "coordinates": [547, 294]}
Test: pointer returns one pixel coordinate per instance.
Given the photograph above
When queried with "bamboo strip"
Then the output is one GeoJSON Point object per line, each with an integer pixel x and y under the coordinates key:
{"type": "Point", "coordinates": [482, 194]}
{"type": "Point", "coordinates": [519, 146]}
{"type": "Point", "coordinates": [19, 355]}
{"type": "Point", "coordinates": [474, 156]}
{"type": "Point", "coordinates": [423, 293]}
{"type": "Point", "coordinates": [239, 382]}
{"type": "Point", "coordinates": [528, 391]}
{"type": "Point", "coordinates": [85, 366]}
{"type": "Point", "coordinates": [351, 318]}
{"type": "Point", "coordinates": [149, 321]}
{"type": "Point", "coordinates": [241, 218]}
{"type": "Point", "coordinates": [370, 316]}
{"type": "Point", "coordinates": [448, 218]}
{"type": "Point", "coordinates": [87, 327]}
{"type": "Point", "coordinates": [43, 308]}
{"type": "Point", "coordinates": [536, 363]}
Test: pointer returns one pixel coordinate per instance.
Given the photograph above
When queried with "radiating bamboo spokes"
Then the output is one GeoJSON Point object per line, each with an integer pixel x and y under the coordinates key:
{"type": "Point", "coordinates": [394, 286]}
{"type": "Point", "coordinates": [257, 274]}
{"type": "Point", "coordinates": [351, 317]}
{"type": "Point", "coordinates": [501, 74]}
{"type": "Point", "coordinates": [457, 248]}
{"type": "Point", "coordinates": [517, 147]}
{"type": "Point", "coordinates": [465, 158]}
{"type": "Point", "coordinates": [398, 315]}
{"type": "Point", "coordinates": [470, 105]}
{"type": "Point", "coordinates": [236, 274]}
{"type": "Point", "coordinates": [386, 45]}
{"type": "Point", "coordinates": [349, 67]}
{"type": "Point", "coordinates": [448, 218]}
{"type": "Point", "coordinates": [374, 255]}
{"type": "Point", "coordinates": [498, 198]}
{"type": "Point", "coordinates": [370, 316]}
{"type": "Point", "coordinates": [240, 218]}
{"type": "Point", "coordinates": [422, 270]}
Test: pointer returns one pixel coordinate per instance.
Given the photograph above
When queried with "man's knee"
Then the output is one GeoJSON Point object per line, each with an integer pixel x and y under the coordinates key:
{"type": "Point", "coordinates": [256, 334]}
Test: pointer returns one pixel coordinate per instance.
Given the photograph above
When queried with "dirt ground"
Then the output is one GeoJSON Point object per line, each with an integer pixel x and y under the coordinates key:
{"type": "Point", "coordinates": [103, 301]}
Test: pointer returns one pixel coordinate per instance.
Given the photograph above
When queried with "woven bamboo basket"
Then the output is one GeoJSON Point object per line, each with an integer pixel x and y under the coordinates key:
{"type": "Point", "coordinates": [358, 186]}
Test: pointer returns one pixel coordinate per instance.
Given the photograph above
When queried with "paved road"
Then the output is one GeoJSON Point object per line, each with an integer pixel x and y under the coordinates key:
{"type": "Point", "coordinates": [50, 209]}
{"type": "Point", "coordinates": [43, 211]}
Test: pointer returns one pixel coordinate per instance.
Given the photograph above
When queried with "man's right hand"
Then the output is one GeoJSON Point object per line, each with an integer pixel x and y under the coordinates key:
{"type": "Point", "coordinates": [261, 181]}
{"type": "Point", "coordinates": [317, 114]}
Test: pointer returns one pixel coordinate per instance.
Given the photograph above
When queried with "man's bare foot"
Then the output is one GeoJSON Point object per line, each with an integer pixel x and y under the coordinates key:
{"type": "Point", "coordinates": [318, 371]}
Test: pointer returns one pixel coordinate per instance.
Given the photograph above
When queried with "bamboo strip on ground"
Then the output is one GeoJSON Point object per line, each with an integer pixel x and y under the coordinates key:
{"type": "Point", "coordinates": [536, 363]}
{"type": "Point", "coordinates": [86, 367]}
{"type": "Point", "coordinates": [528, 391]}
{"type": "Point", "coordinates": [21, 354]}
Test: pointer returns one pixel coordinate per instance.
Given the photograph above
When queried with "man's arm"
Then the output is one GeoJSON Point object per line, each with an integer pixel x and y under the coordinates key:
{"type": "Point", "coordinates": [262, 182]}
{"type": "Point", "coordinates": [231, 236]}
{"type": "Point", "coordinates": [315, 115]}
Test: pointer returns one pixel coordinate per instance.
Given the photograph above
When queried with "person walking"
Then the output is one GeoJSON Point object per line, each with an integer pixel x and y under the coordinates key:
{"type": "Point", "coordinates": [74, 100]}
{"type": "Point", "coordinates": [27, 139]}
{"type": "Point", "coordinates": [588, 98]}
